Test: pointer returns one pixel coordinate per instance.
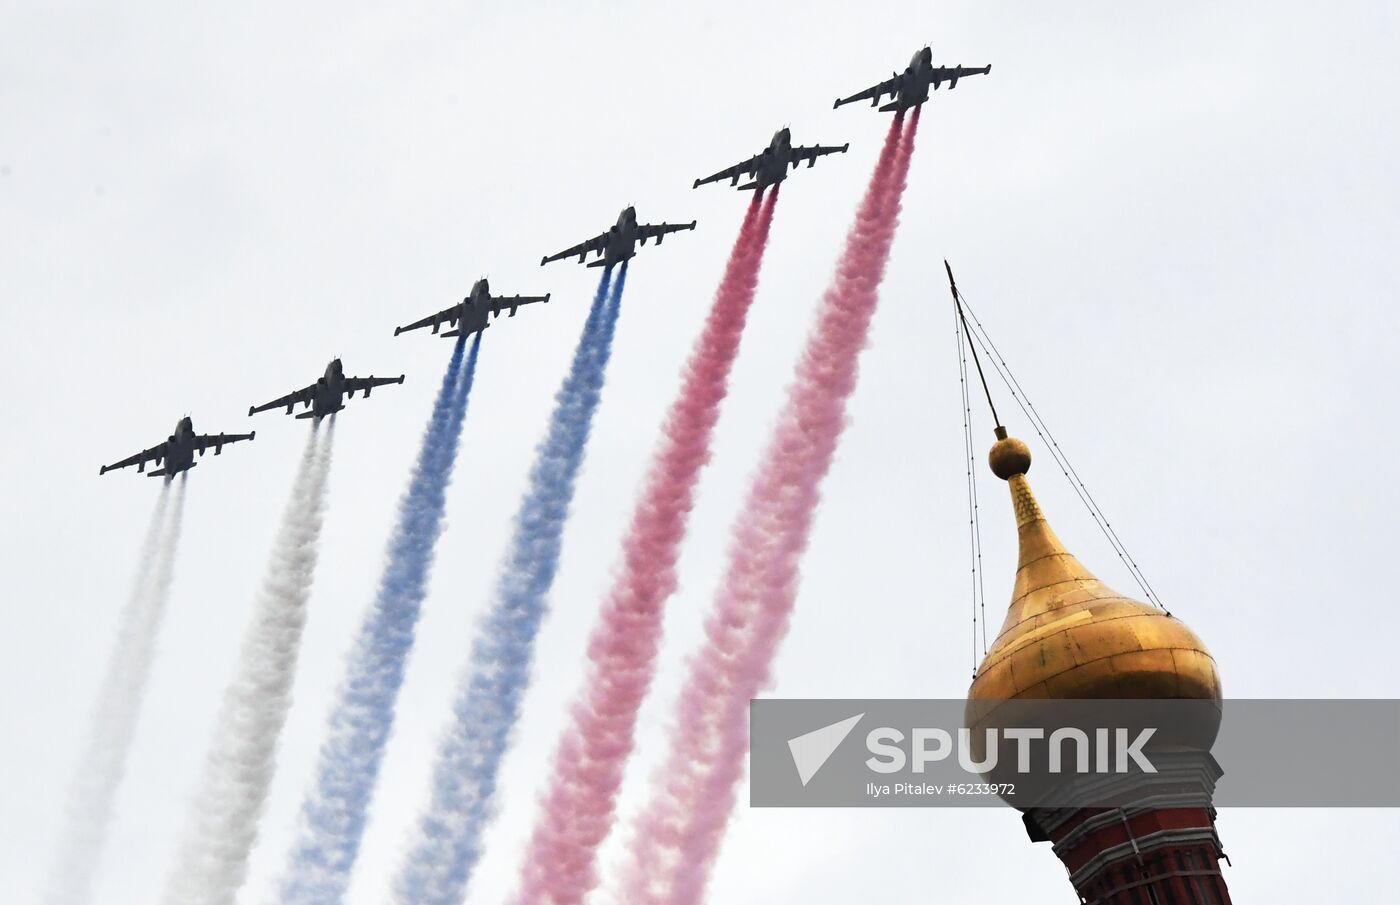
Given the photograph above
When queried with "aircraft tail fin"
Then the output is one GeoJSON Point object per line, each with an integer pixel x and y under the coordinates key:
{"type": "Point", "coordinates": [601, 262]}
{"type": "Point", "coordinates": [452, 333]}
{"type": "Point", "coordinates": [892, 105]}
{"type": "Point", "coordinates": [749, 186]}
{"type": "Point", "coordinates": [306, 415]}
{"type": "Point", "coordinates": [163, 472]}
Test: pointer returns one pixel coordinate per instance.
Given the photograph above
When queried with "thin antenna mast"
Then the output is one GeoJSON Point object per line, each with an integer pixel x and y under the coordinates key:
{"type": "Point", "coordinates": [957, 301]}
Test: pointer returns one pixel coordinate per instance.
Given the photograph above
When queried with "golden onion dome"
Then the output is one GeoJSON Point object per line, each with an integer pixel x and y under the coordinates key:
{"type": "Point", "coordinates": [1067, 635]}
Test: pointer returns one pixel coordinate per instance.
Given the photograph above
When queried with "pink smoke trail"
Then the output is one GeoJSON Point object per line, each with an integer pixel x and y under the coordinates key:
{"type": "Point", "coordinates": [677, 834]}
{"type": "Point", "coordinates": [560, 866]}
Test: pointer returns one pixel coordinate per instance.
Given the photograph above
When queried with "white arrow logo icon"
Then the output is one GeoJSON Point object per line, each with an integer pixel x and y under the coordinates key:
{"type": "Point", "coordinates": [813, 749]}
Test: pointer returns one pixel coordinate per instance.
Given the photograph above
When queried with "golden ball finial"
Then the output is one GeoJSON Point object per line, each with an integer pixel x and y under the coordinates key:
{"type": "Point", "coordinates": [1009, 456]}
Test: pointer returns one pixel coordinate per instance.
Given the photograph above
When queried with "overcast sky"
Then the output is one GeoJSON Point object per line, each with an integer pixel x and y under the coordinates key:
{"type": "Point", "coordinates": [1177, 220]}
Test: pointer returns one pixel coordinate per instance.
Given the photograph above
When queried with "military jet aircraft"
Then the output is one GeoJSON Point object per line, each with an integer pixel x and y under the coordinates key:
{"type": "Point", "coordinates": [470, 315]}
{"type": "Point", "coordinates": [771, 166]}
{"type": "Point", "coordinates": [328, 394]}
{"type": "Point", "coordinates": [177, 452]}
{"type": "Point", "coordinates": [619, 243]}
{"type": "Point", "coordinates": [910, 87]}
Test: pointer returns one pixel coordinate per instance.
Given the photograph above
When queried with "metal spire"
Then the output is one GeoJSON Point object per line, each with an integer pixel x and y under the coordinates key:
{"type": "Point", "coordinates": [957, 300]}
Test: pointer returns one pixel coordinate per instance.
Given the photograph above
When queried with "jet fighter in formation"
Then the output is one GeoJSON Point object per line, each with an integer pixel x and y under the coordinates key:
{"type": "Point", "coordinates": [178, 450]}
{"type": "Point", "coordinates": [470, 315]}
{"type": "Point", "coordinates": [619, 243]}
{"type": "Point", "coordinates": [770, 166]}
{"type": "Point", "coordinates": [910, 87]}
{"type": "Point", "coordinates": [328, 394]}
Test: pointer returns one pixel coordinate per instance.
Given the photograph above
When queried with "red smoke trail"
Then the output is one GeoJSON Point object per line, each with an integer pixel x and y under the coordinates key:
{"type": "Point", "coordinates": [677, 834]}
{"type": "Point", "coordinates": [560, 866]}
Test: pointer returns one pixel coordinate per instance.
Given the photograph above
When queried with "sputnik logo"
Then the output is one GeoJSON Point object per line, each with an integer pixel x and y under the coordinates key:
{"type": "Point", "coordinates": [813, 749]}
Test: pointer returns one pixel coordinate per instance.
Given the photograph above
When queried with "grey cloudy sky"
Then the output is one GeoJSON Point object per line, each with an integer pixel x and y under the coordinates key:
{"type": "Point", "coordinates": [1178, 221]}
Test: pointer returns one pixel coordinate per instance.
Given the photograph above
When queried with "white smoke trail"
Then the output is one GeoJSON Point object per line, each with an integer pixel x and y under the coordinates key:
{"type": "Point", "coordinates": [212, 859]}
{"type": "Point", "coordinates": [102, 762]}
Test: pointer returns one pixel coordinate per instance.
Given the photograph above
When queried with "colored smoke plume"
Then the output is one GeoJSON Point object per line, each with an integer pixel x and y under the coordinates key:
{"type": "Point", "coordinates": [447, 844]}
{"type": "Point", "coordinates": [212, 858]}
{"type": "Point", "coordinates": [577, 811]}
{"type": "Point", "coordinates": [102, 761]}
{"type": "Point", "coordinates": [335, 810]}
{"type": "Point", "coordinates": [677, 834]}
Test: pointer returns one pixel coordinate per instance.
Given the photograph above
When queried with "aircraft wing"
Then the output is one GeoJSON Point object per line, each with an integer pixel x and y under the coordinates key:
{"type": "Point", "coordinates": [303, 396]}
{"type": "Point", "coordinates": [597, 243]}
{"type": "Point", "coordinates": [744, 168]}
{"type": "Point", "coordinates": [658, 230]}
{"type": "Point", "coordinates": [445, 316]}
{"type": "Point", "coordinates": [217, 441]}
{"type": "Point", "coordinates": [154, 454]}
{"type": "Point", "coordinates": [811, 154]}
{"type": "Point", "coordinates": [874, 93]}
{"type": "Point", "coordinates": [365, 384]}
{"type": "Point", "coordinates": [501, 303]}
{"type": "Point", "coordinates": [951, 74]}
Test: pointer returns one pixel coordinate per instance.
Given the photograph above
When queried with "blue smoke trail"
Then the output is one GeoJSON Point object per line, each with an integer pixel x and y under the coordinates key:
{"type": "Point", "coordinates": [334, 811]}
{"type": "Point", "coordinates": [446, 847]}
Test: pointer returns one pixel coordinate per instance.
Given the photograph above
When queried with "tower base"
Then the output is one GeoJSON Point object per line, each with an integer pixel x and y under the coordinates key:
{"type": "Point", "coordinates": [1160, 847]}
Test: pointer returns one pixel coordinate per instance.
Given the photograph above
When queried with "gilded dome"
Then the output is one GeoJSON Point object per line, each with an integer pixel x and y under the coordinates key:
{"type": "Point", "coordinates": [1067, 635]}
